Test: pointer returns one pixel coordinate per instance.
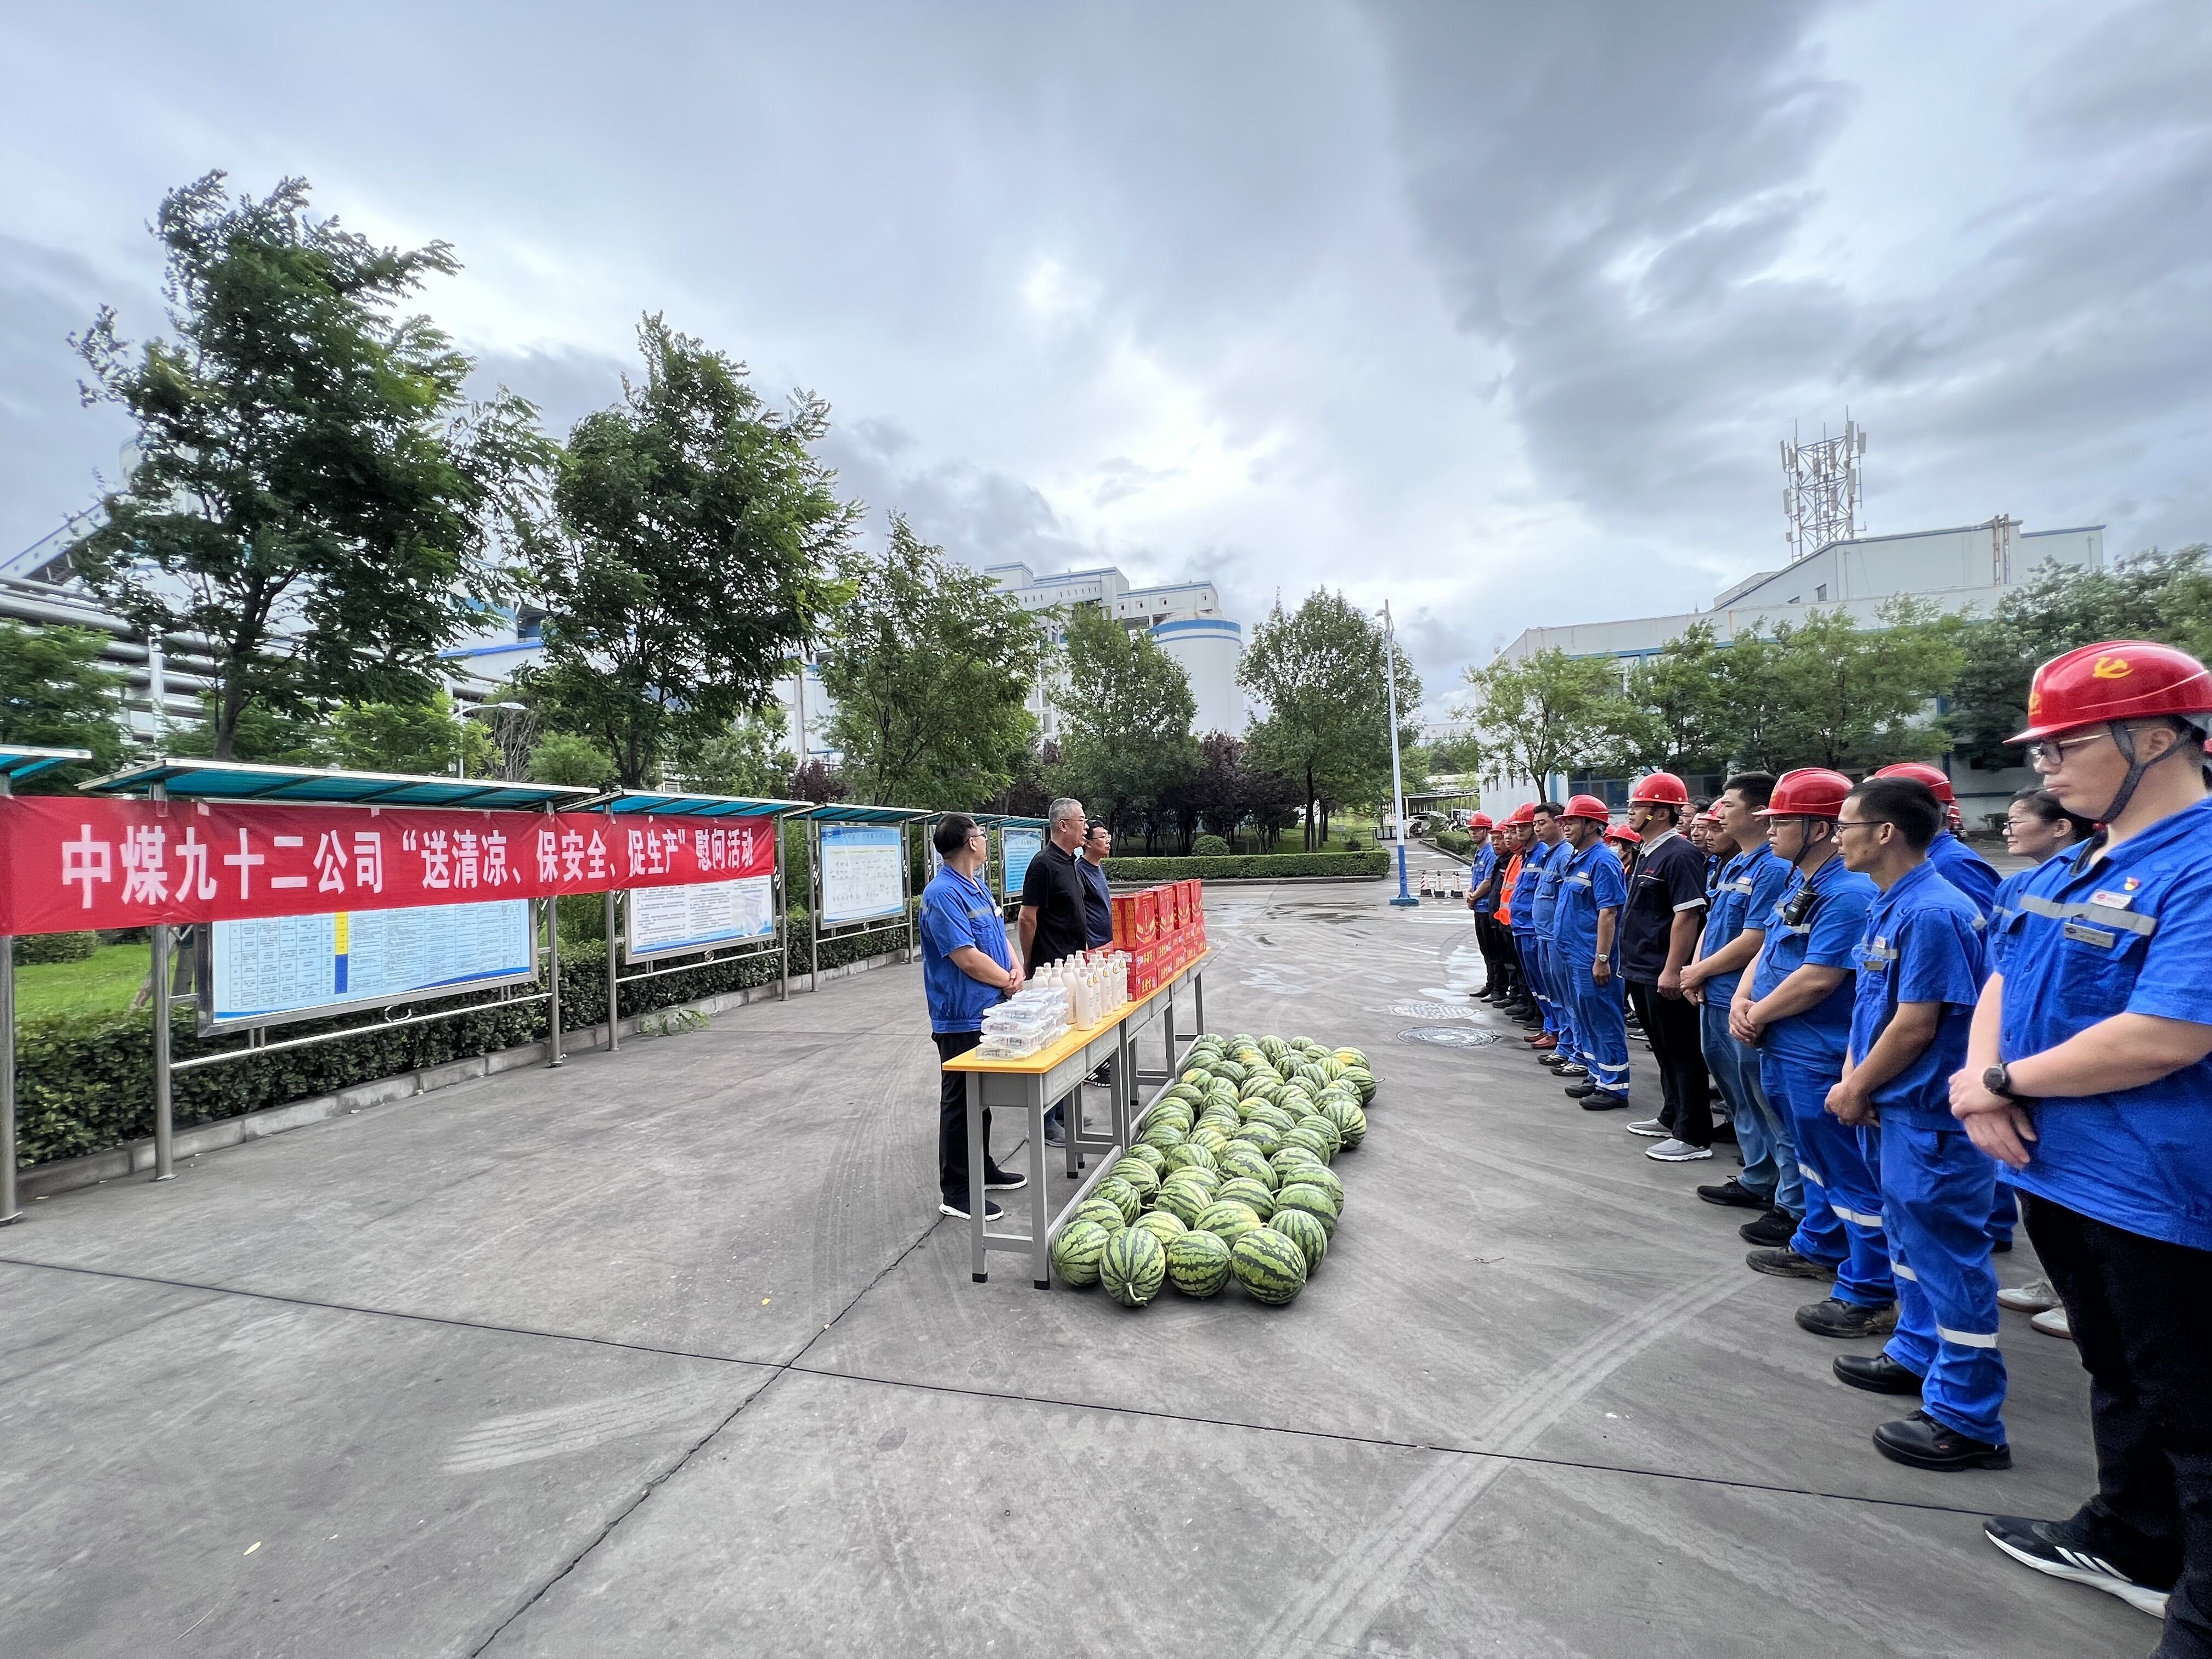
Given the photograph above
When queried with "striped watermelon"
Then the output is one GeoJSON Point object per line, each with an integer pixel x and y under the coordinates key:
{"type": "Point", "coordinates": [1211, 1138]}
{"type": "Point", "coordinates": [1304, 1229]}
{"type": "Point", "coordinates": [1189, 1155]}
{"type": "Point", "coordinates": [1076, 1252]}
{"type": "Point", "coordinates": [1152, 1157]}
{"type": "Point", "coordinates": [1161, 1226]}
{"type": "Point", "coordinates": [1177, 1112]}
{"type": "Point", "coordinates": [1327, 1180]}
{"type": "Point", "coordinates": [1183, 1201]}
{"type": "Point", "coordinates": [1133, 1266]}
{"type": "Point", "coordinates": [1352, 1057]}
{"type": "Point", "coordinates": [1331, 1135]}
{"type": "Point", "coordinates": [1198, 1075]}
{"type": "Point", "coordinates": [1106, 1214]}
{"type": "Point", "coordinates": [1352, 1127]}
{"type": "Point", "coordinates": [1311, 1198]}
{"type": "Point", "coordinates": [1206, 1180]}
{"type": "Point", "coordinates": [1312, 1140]}
{"type": "Point", "coordinates": [1227, 1221]}
{"type": "Point", "coordinates": [1120, 1194]}
{"type": "Point", "coordinates": [1139, 1175]}
{"type": "Point", "coordinates": [1198, 1264]}
{"type": "Point", "coordinates": [1271, 1267]}
{"type": "Point", "coordinates": [1289, 1159]}
{"type": "Point", "coordinates": [1243, 1158]}
{"type": "Point", "coordinates": [1256, 1195]}
{"type": "Point", "coordinates": [1265, 1137]}
{"type": "Point", "coordinates": [1164, 1136]}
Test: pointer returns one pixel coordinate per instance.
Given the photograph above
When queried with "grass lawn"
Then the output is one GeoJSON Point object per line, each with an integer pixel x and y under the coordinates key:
{"type": "Point", "coordinates": [103, 982]}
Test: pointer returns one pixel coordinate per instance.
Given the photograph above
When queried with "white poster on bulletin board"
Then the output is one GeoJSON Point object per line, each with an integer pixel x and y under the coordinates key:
{"type": "Point", "coordinates": [668, 921]}
{"type": "Point", "coordinates": [1021, 846]}
{"type": "Point", "coordinates": [863, 874]}
{"type": "Point", "coordinates": [287, 968]}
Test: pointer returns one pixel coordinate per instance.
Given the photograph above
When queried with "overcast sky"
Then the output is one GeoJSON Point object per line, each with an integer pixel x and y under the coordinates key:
{"type": "Point", "coordinates": [1496, 310]}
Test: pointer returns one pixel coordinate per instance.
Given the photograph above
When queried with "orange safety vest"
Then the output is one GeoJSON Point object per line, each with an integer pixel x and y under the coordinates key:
{"type": "Point", "coordinates": [1506, 892]}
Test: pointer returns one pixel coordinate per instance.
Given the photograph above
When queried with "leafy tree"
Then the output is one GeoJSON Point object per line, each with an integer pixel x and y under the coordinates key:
{"type": "Point", "coordinates": [311, 492]}
{"type": "Point", "coordinates": [265, 735]}
{"type": "Point", "coordinates": [1029, 794]}
{"type": "Point", "coordinates": [2166, 597]}
{"type": "Point", "coordinates": [1854, 698]}
{"type": "Point", "coordinates": [749, 758]}
{"type": "Point", "coordinates": [931, 666]}
{"type": "Point", "coordinates": [1125, 715]}
{"type": "Point", "coordinates": [818, 781]}
{"type": "Point", "coordinates": [1456, 754]}
{"type": "Point", "coordinates": [55, 694]}
{"type": "Point", "coordinates": [1679, 714]}
{"type": "Point", "coordinates": [1545, 713]}
{"type": "Point", "coordinates": [572, 758]}
{"type": "Point", "coordinates": [687, 556]}
{"type": "Point", "coordinates": [1318, 671]}
{"type": "Point", "coordinates": [423, 738]}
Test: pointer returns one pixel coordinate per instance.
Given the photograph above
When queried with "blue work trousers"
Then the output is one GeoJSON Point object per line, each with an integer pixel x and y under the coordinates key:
{"type": "Point", "coordinates": [1762, 1135]}
{"type": "Point", "coordinates": [2004, 1214]}
{"type": "Point", "coordinates": [1532, 972]}
{"type": "Point", "coordinates": [1601, 1023]}
{"type": "Point", "coordinates": [1563, 999]}
{"type": "Point", "coordinates": [1841, 1227]}
{"type": "Point", "coordinates": [1935, 1196]}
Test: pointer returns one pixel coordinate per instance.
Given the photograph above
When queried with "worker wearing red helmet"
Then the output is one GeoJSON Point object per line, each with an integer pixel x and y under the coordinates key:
{"type": "Point", "coordinates": [1624, 842]}
{"type": "Point", "coordinates": [2089, 1073]}
{"type": "Point", "coordinates": [1515, 832]}
{"type": "Point", "coordinates": [1658, 937]}
{"type": "Point", "coordinates": [1482, 900]}
{"type": "Point", "coordinates": [1585, 919]}
{"type": "Point", "coordinates": [1956, 862]}
{"type": "Point", "coordinates": [1795, 1006]}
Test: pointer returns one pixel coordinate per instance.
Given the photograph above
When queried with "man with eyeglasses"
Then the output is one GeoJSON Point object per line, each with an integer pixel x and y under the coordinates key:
{"type": "Point", "coordinates": [1919, 976]}
{"type": "Point", "coordinates": [2088, 1073]}
{"type": "Point", "coordinates": [966, 968]}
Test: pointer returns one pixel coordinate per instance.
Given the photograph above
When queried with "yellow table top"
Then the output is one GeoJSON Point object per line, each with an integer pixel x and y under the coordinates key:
{"type": "Point", "coordinates": [1073, 1041]}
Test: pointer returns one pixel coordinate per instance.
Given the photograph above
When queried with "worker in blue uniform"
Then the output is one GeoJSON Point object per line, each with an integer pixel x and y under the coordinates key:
{"type": "Point", "coordinates": [1919, 976]}
{"type": "Point", "coordinates": [2089, 1073]}
{"type": "Point", "coordinates": [1795, 1006]}
{"type": "Point", "coordinates": [1563, 1057]}
{"type": "Point", "coordinates": [1523, 922]}
{"type": "Point", "coordinates": [1593, 891]}
{"type": "Point", "coordinates": [1482, 900]}
{"type": "Point", "coordinates": [1544, 828]}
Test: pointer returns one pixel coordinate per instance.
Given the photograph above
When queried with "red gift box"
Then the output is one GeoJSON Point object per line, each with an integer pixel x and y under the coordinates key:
{"type": "Point", "coordinates": [1136, 920]}
{"type": "Point", "coordinates": [1144, 970]}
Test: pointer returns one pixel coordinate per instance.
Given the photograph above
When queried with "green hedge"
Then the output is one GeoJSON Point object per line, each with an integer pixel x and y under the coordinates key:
{"type": "Point", "coordinates": [1254, 866]}
{"type": "Point", "coordinates": [85, 1082]}
{"type": "Point", "coordinates": [1454, 840]}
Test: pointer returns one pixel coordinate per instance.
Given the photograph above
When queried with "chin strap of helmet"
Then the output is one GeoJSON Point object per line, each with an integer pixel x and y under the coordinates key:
{"type": "Point", "coordinates": [2189, 741]}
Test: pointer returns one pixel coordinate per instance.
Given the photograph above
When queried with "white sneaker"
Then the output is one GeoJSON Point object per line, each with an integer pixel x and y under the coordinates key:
{"type": "Point", "coordinates": [2032, 1297]}
{"type": "Point", "coordinates": [2051, 1321]}
{"type": "Point", "coordinates": [1651, 1129]}
{"type": "Point", "coordinates": [1671, 1150]}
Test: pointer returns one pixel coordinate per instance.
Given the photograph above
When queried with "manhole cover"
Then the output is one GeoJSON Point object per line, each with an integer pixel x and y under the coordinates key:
{"type": "Point", "coordinates": [1431, 1010]}
{"type": "Point", "coordinates": [1451, 1037]}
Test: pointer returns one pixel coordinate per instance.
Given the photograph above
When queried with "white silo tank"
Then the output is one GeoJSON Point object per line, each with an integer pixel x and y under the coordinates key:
{"type": "Point", "coordinates": [1209, 649]}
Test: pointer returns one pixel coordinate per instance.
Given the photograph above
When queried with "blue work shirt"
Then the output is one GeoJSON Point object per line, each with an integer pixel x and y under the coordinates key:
{"type": "Point", "coordinates": [957, 910]}
{"type": "Point", "coordinates": [1533, 859]}
{"type": "Point", "coordinates": [1751, 885]}
{"type": "Point", "coordinates": [2076, 944]}
{"type": "Point", "coordinates": [1485, 865]}
{"type": "Point", "coordinates": [1965, 870]}
{"type": "Point", "coordinates": [1097, 904]}
{"type": "Point", "coordinates": [1589, 881]}
{"type": "Point", "coordinates": [1554, 865]}
{"type": "Point", "coordinates": [1923, 944]}
{"type": "Point", "coordinates": [1822, 929]}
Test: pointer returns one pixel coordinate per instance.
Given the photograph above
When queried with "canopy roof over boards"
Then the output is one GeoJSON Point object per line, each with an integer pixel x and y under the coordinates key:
{"type": "Point", "coordinates": [20, 762]}
{"type": "Point", "coordinates": [210, 779]}
{"type": "Point", "coordinates": [625, 803]}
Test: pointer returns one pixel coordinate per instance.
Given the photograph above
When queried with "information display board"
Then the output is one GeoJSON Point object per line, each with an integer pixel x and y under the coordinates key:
{"type": "Point", "coordinates": [283, 968]}
{"type": "Point", "coordinates": [1021, 846]}
{"type": "Point", "coordinates": [863, 872]}
{"type": "Point", "coordinates": [669, 922]}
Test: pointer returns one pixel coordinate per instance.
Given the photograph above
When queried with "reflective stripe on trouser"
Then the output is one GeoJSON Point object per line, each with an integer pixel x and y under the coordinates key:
{"type": "Point", "coordinates": [1601, 1022]}
{"type": "Point", "coordinates": [1838, 1184]}
{"type": "Point", "coordinates": [1563, 999]}
{"type": "Point", "coordinates": [1770, 1150]}
{"type": "Point", "coordinates": [1935, 1187]}
{"type": "Point", "coordinates": [2004, 1214]}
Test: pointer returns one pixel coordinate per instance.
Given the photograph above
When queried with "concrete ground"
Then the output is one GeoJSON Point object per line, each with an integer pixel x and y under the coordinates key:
{"type": "Point", "coordinates": [668, 1353]}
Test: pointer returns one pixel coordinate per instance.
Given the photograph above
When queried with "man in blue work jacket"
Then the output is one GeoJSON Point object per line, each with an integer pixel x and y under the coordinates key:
{"type": "Point", "coordinates": [1482, 900]}
{"type": "Point", "coordinates": [2089, 1073]}
{"type": "Point", "coordinates": [1752, 882]}
{"type": "Point", "coordinates": [1563, 1057]}
{"type": "Point", "coordinates": [1919, 976]}
{"type": "Point", "coordinates": [966, 969]}
{"type": "Point", "coordinates": [1593, 889]}
{"type": "Point", "coordinates": [1543, 833]}
{"type": "Point", "coordinates": [1796, 1008]}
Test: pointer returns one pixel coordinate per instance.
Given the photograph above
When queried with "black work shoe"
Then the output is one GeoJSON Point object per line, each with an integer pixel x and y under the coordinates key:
{"type": "Point", "coordinates": [958, 1207]}
{"type": "Point", "coordinates": [1837, 1317]}
{"type": "Point", "coordinates": [1924, 1444]}
{"type": "Point", "coordinates": [2057, 1549]}
{"type": "Point", "coordinates": [1603, 1100]}
{"type": "Point", "coordinates": [1580, 1090]}
{"type": "Point", "coordinates": [1733, 1194]}
{"type": "Point", "coordinates": [997, 1180]}
{"type": "Point", "coordinates": [1571, 1070]}
{"type": "Point", "coordinates": [1774, 1228]}
{"type": "Point", "coordinates": [1786, 1263]}
{"type": "Point", "coordinates": [1877, 1373]}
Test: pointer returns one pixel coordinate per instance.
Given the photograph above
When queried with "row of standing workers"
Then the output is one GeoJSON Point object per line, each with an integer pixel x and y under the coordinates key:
{"type": "Point", "coordinates": [1914, 1054]}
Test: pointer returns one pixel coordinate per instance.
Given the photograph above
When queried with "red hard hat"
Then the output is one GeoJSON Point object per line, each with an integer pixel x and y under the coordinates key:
{"type": "Point", "coordinates": [1809, 792]}
{"type": "Point", "coordinates": [1524, 813]}
{"type": "Point", "coordinates": [1659, 789]}
{"type": "Point", "coordinates": [1624, 833]}
{"type": "Point", "coordinates": [1587, 807]}
{"type": "Point", "coordinates": [1920, 772]}
{"type": "Point", "coordinates": [1480, 821]}
{"type": "Point", "coordinates": [2118, 680]}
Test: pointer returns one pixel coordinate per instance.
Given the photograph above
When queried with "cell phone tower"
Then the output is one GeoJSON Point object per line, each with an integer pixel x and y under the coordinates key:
{"type": "Point", "coordinates": [1820, 493]}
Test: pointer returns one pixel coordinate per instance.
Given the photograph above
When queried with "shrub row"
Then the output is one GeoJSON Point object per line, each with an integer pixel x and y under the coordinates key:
{"type": "Point", "coordinates": [85, 1082]}
{"type": "Point", "coordinates": [1256, 867]}
{"type": "Point", "coordinates": [1454, 840]}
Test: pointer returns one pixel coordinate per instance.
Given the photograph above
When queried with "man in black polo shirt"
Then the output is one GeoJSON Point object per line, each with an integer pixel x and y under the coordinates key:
{"type": "Point", "coordinates": [1658, 936]}
{"type": "Point", "coordinates": [1053, 925]}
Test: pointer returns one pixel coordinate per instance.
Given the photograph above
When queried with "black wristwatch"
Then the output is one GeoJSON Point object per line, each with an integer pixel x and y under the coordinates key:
{"type": "Point", "coordinates": [1998, 1081]}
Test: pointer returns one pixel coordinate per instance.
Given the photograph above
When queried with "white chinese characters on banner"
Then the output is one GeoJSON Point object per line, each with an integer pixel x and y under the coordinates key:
{"type": "Point", "coordinates": [863, 874]}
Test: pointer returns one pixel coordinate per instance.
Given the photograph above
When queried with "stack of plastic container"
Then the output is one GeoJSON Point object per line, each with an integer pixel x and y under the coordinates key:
{"type": "Point", "coordinates": [1025, 1022]}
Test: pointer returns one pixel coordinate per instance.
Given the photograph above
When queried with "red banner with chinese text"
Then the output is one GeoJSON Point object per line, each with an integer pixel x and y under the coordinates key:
{"type": "Point", "coordinates": [75, 862]}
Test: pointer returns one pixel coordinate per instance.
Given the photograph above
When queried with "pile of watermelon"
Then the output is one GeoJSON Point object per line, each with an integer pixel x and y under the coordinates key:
{"type": "Point", "coordinates": [1230, 1178]}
